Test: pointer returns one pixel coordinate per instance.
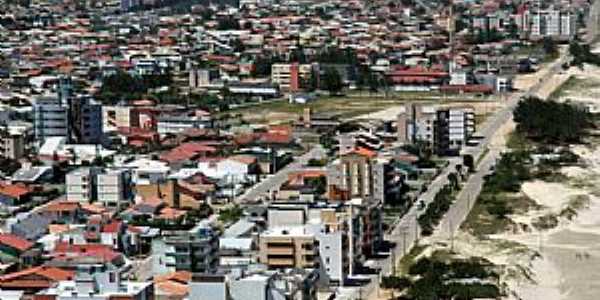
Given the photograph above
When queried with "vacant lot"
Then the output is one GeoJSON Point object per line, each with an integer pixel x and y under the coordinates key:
{"type": "Point", "coordinates": [348, 107]}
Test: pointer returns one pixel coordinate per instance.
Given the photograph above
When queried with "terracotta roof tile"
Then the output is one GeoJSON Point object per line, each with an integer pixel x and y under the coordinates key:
{"type": "Point", "coordinates": [15, 242]}
{"type": "Point", "coordinates": [50, 273]}
{"type": "Point", "coordinates": [14, 190]}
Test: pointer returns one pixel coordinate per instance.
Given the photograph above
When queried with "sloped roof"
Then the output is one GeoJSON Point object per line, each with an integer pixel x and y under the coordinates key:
{"type": "Point", "coordinates": [15, 242]}
{"type": "Point", "coordinates": [50, 273]}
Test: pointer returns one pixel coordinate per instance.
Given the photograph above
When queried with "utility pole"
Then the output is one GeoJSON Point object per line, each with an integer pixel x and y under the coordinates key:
{"type": "Point", "coordinates": [416, 230]}
{"type": "Point", "coordinates": [404, 233]}
{"type": "Point", "coordinates": [393, 255]}
{"type": "Point", "coordinates": [451, 233]}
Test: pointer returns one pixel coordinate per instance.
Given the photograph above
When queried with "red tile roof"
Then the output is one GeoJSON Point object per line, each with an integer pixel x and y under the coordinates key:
{"type": "Point", "coordinates": [169, 213]}
{"type": "Point", "coordinates": [364, 152]}
{"type": "Point", "coordinates": [96, 250]}
{"type": "Point", "coordinates": [112, 227]}
{"type": "Point", "coordinates": [61, 206]}
{"type": "Point", "coordinates": [49, 273]}
{"type": "Point", "coordinates": [14, 190]}
{"type": "Point", "coordinates": [15, 242]}
{"type": "Point", "coordinates": [175, 283]}
{"type": "Point", "coordinates": [245, 159]}
{"type": "Point", "coordinates": [187, 151]}
{"type": "Point", "coordinates": [275, 138]}
{"type": "Point", "coordinates": [468, 88]}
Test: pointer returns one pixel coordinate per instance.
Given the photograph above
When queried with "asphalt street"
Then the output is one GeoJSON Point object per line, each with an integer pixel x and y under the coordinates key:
{"type": "Point", "coordinates": [264, 188]}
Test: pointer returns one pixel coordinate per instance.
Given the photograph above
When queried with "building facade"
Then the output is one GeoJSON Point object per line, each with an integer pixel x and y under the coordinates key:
{"type": "Point", "coordinates": [51, 118]}
{"type": "Point", "coordinates": [444, 130]}
{"type": "Point", "coordinates": [194, 251]}
{"type": "Point", "coordinates": [85, 123]}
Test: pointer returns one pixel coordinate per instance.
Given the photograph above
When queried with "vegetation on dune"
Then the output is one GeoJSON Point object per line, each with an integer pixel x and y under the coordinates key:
{"type": "Point", "coordinates": [582, 54]}
{"type": "Point", "coordinates": [438, 278]}
{"type": "Point", "coordinates": [540, 124]}
{"type": "Point", "coordinates": [551, 122]}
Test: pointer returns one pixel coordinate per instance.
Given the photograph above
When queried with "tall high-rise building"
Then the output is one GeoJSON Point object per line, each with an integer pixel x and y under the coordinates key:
{"type": "Point", "coordinates": [51, 118]}
{"type": "Point", "coordinates": [85, 121]}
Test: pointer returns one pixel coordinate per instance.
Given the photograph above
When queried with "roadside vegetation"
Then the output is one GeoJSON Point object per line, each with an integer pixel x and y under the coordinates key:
{"type": "Point", "coordinates": [439, 206]}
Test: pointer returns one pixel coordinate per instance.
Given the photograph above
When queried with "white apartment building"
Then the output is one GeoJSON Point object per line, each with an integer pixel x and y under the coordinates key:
{"type": "Point", "coordinates": [174, 124]}
{"type": "Point", "coordinates": [445, 129]}
{"type": "Point", "coordinates": [111, 188]}
{"type": "Point", "coordinates": [417, 123]}
{"type": "Point", "coordinates": [80, 185]}
{"type": "Point", "coordinates": [199, 78]}
{"type": "Point", "coordinates": [553, 23]}
{"type": "Point", "coordinates": [461, 125]}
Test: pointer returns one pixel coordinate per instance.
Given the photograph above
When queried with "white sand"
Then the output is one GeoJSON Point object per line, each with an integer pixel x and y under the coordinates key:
{"type": "Point", "coordinates": [546, 286]}
{"type": "Point", "coordinates": [552, 195]}
{"type": "Point", "coordinates": [574, 171]}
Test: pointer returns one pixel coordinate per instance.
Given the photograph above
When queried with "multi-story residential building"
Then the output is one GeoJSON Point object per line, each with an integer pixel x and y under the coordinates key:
{"type": "Point", "coordinates": [78, 119]}
{"type": "Point", "coordinates": [111, 188]}
{"type": "Point", "coordinates": [119, 116]}
{"type": "Point", "coordinates": [195, 250]}
{"type": "Point", "coordinates": [292, 77]}
{"type": "Point", "coordinates": [288, 247]}
{"type": "Point", "coordinates": [358, 174]}
{"type": "Point", "coordinates": [445, 130]}
{"type": "Point", "coordinates": [454, 126]}
{"type": "Point", "coordinates": [335, 238]}
{"type": "Point", "coordinates": [12, 144]}
{"type": "Point", "coordinates": [51, 118]}
{"type": "Point", "coordinates": [199, 78]}
{"type": "Point", "coordinates": [127, 5]}
{"type": "Point", "coordinates": [85, 125]}
{"type": "Point", "coordinates": [553, 23]}
{"type": "Point", "coordinates": [81, 185]}
{"type": "Point", "coordinates": [174, 124]}
{"type": "Point", "coordinates": [416, 124]}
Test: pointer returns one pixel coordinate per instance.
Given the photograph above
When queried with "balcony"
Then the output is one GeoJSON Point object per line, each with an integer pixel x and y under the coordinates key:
{"type": "Point", "coordinates": [280, 251]}
{"type": "Point", "coordinates": [280, 262]}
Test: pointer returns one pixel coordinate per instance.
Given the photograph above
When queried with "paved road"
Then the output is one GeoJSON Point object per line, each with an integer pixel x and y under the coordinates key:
{"type": "Point", "coordinates": [273, 182]}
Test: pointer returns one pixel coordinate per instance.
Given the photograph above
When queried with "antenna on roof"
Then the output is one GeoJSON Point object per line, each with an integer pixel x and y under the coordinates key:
{"type": "Point", "coordinates": [451, 29]}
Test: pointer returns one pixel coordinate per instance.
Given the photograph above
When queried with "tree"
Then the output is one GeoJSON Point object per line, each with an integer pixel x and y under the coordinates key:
{"type": "Point", "coordinates": [550, 121]}
{"type": "Point", "coordinates": [318, 183]}
{"type": "Point", "coordinates": [332, 81]}
{"type": "Point", "coordinates": [582, 54]}
{"type": "Point", "coordinates": [121, 86]}
{"type": "Point", "coordinates": [469, 162]}
{"type": "Point", "coordinates": [453, 179]}
{"type": "Point", "coordinates": [549, 46]}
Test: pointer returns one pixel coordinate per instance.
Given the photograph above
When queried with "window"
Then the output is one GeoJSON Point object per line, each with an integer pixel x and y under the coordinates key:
{"type": "Point", "coordinates": [327, 260]}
